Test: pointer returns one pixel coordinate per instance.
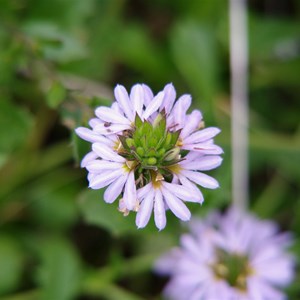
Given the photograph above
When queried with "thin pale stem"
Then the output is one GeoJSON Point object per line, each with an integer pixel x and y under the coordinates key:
{"type": "Point", "coordinates": [239, 101]}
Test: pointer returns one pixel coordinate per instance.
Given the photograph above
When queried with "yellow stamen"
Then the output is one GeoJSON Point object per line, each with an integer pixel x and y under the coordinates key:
{"type": "Point", "coordinates": [175, 168]}
{"type": "Point", "coordinates": [201, 125]}
{"type": "Point", "coordinates": [118, 146]}
{"type": "Point", "coordinates": [159, 177]}
{"type": "Point", "coordinates": [156, 178]}
{"type": "Point", "coordinates": [124, 211]}
{"type": "Point", "coordinates": [126, 167]}
{"type": "Point", "coordinates": [130, 164]}
{"type": "Point", "coordinates": [221, 270]}
{"type": "Point", "coordinates": [179, 142]}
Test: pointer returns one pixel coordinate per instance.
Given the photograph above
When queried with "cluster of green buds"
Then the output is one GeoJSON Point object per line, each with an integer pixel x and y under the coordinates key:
{"type": "Point", "coordinates": [233, 268]}
{"type": "Point", "coordinates": [150, 149]}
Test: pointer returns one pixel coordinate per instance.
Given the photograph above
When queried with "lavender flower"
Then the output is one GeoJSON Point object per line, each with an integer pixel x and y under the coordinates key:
{"type": "Point", "coordinates": [229, 257]}
{"type": "Point", "coordinates": [149, 152]}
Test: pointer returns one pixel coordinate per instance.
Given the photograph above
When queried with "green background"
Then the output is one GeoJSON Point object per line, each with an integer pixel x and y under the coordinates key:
{"type": "Point", "coordinates": [58, 60]}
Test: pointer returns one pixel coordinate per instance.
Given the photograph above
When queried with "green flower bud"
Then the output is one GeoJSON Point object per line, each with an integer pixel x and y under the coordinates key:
{"type": "Point", "coordinates": [151, 152]}
{"type": "Point", "coordinates": [160, 152]}
{"type": "Point", "coordinates": [168, 139]}
{"type": "Point", "coordinates": [172, 154]}
{"type": "Point", "coordinates": [153, 142]}
{"type": "Point", "coordinates": [140, 151]}
{"type": "Point", "coordinates": [130, 142]}
{"type": "Point", "coordinates": [151, 161]}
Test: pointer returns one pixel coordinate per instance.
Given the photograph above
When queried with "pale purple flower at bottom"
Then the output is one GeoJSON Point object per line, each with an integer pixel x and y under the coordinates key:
{"type": "Point", "coordinates": [229, 257]}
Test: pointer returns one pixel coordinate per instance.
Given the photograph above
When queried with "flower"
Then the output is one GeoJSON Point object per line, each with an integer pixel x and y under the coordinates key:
{"type": "Point", "coordinates": [231, 257]}
{"type": "Point", "coordinates": [149, 143]}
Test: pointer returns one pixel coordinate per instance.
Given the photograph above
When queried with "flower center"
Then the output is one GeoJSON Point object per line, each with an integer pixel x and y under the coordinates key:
{"type": "Point", "coordinates": [232, 267]}
{"type": "Point", "coordinates": [150, 148]}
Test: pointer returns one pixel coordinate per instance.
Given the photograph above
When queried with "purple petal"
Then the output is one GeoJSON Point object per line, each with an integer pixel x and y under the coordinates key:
{"type": "Point", "coordinates": [91, 136]}
{"type": "Point", "coordinates": [261, 290]}
{"type": "Point", "coordinates": [130, 198]}
{"type": "Point", "coordinates": [111, 129]}
{"type": "Point", "coordinates": [201, 179]}
{"type": "Point", "coordinates": [107, 153]}
{"type": "Point", "coordinates": [137, 97]}
{"type": "Point", "coordinates": [278, 269]}
{"type": "Point", "coordinates": [191, 124]}
{"type": "Point", "coordinates": [153, 105]}
{"type": "Point", "coordinates": [121, 96]}
{"type": "Point", "coordinates": [180, 191]}
{"type": "Point", "coordinates": [87, 158]}
{"type": "Point", "coordinates": [115, 189]}
{"type": "Point", "coordinates": [101, 165]}
{"type": "Point", "coordinates": [159, 211]}
{"type": "Point", "coordinates": [145, 210]}
{"type": "Point", "coordinates": [207, 148]}
{"type": "Point", "coordinates": [91, 176]}
{"type": "Point", "coordinates": [204, 163]}
{"type": "Point", "coordinates": [165, 264]}
{"type": "Point", "coordinates": [94, 122]}
{"type": "Point", "coordinates": [102, 180]}
{"type": "Point", "coordinates": [180, 109]}
{"type": "Point", "coordinates": [111, 116]}
{"type": "Point", "coordinates": [116, 107]}
{"type": "Point", "coordinates": [193, 155]}
{"type": "Point", "coordinates": [141, 193]}
{"type": "Point", "coordinates": [177, 206]}
{"type": "Point", "coordinates": [148, 95]}
{"type": "Point", "coordinates": [193, 189]}
{"type": "Point", "coordinates": [169, 98]}
{"type": "Point", "coordinates": [202, 135]}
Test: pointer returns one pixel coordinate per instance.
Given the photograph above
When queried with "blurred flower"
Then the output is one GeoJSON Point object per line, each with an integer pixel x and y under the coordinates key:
{"type": "Point", "coordinates": [229, 257]}
{"type": "Point", "coordinates": [147, 149]}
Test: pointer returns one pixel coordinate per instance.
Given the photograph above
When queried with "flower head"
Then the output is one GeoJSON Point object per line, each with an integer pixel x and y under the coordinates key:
{"type": "Point", "coordinates": [149, 143]}
{"type": "Point", "coordinates": [235, 255]}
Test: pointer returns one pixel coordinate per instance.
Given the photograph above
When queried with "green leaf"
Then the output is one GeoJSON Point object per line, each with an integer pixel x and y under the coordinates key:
{"type": "Point", "coordinates": [68, 14]}
{"type": "Point", "coordinates": [274, 52]}
{"type": "Point", "coordinates": [59, 274]}
{"type": "Point", "coordinates": [15, 125]}
{"type": "Point", "coordinates": [276, 73]}
{"type": "Point", "coordinates": [95, 211]}
{"type": "Point", "coordinates": [209, 11]}
{"type": "Point", "coordinates": [272, 37]}
{"type": "Point", "coordinates": [112, 292]}
{"type": "Point", "coordinates": [53, 195]}
{"type": "Point", "coordinates": [56, 94]}
{"type": "Point", "coordinates": [137, 121]}
{"type": "Point", "coordinates": [272, 197]}
{"type": "Point", "coordinates": [141, 53]}
{"type": "Point", "coordinates": [3, 158]}
{"type": "Point", "coordinates": [194, 52]}
{"type": "Point", "coordinates": [11, 264]}
{"type": "Point", "coordinates": [54, 42]}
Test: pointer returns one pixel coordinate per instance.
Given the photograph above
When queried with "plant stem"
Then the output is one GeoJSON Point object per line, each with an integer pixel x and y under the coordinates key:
{"type": "Point", "coordinates": [239, 101]}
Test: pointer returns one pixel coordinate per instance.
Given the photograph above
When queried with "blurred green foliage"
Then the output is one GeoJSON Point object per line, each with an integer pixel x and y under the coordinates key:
{"type": "Point", "coordinates": [61, 58]}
